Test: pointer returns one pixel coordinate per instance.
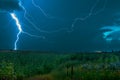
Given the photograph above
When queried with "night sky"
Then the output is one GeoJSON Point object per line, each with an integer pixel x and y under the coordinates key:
{"type": "Point", "coordinates": [67, 25]}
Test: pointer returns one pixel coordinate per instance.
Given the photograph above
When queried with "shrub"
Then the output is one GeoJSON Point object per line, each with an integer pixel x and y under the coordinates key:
{"type": "Point", "coordinates": [7, 71]}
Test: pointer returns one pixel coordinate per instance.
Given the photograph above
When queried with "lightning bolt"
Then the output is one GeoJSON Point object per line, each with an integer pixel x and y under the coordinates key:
{"type": "Point", "coordinates": [13, 15]}
{"type": "Point", "coordinates": [21, 31]}
{"type": "Point", "coordinates": [19, 28]}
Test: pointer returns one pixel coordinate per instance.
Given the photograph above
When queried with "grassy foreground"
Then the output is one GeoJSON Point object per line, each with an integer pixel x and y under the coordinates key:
{"type": "Point", "coordinates": [51, 66]}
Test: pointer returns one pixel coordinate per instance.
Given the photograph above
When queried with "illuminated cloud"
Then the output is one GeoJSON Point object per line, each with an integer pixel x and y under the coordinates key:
{"type": "Point", "coordinates": [111, 32]}
{"type": "Point", "coordinates": [9, 5]}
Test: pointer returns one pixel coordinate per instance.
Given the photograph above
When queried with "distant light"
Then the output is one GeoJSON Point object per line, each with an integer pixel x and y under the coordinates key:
{"type": "Point", "coordinates": [98, 51]}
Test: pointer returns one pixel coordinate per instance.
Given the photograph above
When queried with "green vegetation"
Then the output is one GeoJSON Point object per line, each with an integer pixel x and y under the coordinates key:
{"type": "Point", "coordinates": [51, 66]}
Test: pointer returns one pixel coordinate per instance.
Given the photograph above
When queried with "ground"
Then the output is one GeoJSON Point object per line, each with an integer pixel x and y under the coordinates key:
{"type": "Point", "coordinates": [28, 65]}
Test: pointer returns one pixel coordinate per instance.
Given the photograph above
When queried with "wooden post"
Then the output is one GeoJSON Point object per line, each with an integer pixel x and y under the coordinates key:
{"type": "Point", "coordinates": [72, 72]}
{"type": "Point", "coordinates": [67, 71]}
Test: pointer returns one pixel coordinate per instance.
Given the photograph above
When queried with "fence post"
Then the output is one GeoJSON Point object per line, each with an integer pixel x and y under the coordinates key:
{"type": "Point", "coordinates": [72, 72]}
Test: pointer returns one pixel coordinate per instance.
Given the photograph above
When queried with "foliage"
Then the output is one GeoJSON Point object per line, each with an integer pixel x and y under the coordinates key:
{"type": "Point", "coordinates": [50, 66]}
{"type": "Point", "coordinates": [7, 71]}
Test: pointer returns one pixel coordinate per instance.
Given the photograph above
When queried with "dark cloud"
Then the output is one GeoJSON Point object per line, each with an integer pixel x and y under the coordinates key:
{"type": "Point", "coordinates": [9, 5]}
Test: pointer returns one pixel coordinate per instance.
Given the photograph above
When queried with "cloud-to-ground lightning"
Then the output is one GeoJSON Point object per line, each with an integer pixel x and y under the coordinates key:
{"type": "Point", "coordinates": [13, 15]}
{"type": "Point", "coordinates": [20, 30]}
{"type": "Point", "coordinates": [111, 33]}
{"type": "Point", "coordinates": [19, 26]}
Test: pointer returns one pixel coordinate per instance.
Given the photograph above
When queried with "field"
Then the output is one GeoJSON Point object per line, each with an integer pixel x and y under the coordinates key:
{"type": "Point", "coordinates": [52, 66]}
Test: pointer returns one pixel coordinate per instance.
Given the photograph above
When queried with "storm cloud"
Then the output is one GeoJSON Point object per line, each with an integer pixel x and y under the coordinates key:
{"type": "Point", "coordinates": [9, 5]}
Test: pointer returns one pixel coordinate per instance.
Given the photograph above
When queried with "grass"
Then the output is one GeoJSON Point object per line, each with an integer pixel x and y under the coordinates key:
{"type": "Point", "coordinates": [51, 66]}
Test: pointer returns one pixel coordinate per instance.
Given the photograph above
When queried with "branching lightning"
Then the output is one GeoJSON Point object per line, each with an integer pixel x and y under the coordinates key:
{"type": "Point", "coordinates": [20, 28]}
{"type": "Point", "coordinates": [39, 8]}
{"type": "Point", "coordinates": [13, 15]}
{"type": "Point", "coordinates": [74, 21]}
{"type": "Point", "coordinates": [89, 14]}
{"type": "Point", "coordinates": [45, 14]}
{"type": "Point", "coordinates": [21, 31]}
{"type": "Point", "coordinates": [25, 13]}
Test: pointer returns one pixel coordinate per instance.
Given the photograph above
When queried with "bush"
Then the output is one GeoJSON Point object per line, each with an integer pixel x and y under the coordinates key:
{"type": "Point", "coordinates": [7, 71]}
